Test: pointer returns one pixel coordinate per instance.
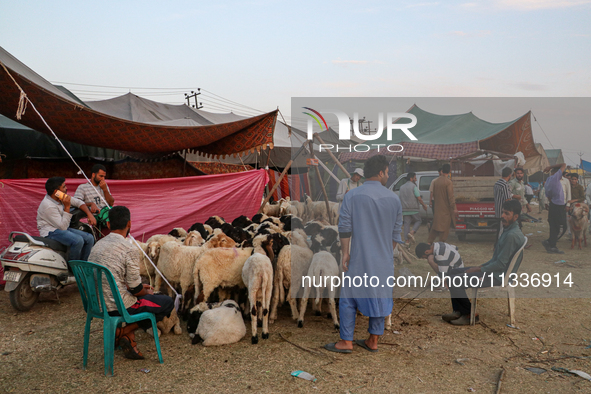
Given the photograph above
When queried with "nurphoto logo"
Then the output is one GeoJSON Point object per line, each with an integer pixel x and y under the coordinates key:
{"type": "Point", "coordinates": [347, 124]}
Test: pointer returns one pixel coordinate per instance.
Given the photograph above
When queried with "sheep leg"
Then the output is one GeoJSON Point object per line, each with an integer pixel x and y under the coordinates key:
{"type": "Point", "coordinates": [292, 305]}
{"type": "Point", "coordinates": [266, 303]}
{"type": "Point", "coordinates": [389, 321]}
{"type": "Point", "coordinates": [253, 317]}
{"type": "Point", "coordinates": [303, 304]}
{"type": "Point", "coordinates": [333, 310]}
{"type": "Point", "coordinates": [157, 283]}
{"type": "Point", "coordinates": [276, 295]}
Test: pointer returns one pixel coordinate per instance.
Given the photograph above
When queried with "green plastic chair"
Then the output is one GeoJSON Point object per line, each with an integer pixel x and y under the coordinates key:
{"type": "Point", "coordinates": [89, 280]}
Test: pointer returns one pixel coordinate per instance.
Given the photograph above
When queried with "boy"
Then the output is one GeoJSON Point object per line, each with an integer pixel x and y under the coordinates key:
{"type": "Point", "coordinates": [441, 256]}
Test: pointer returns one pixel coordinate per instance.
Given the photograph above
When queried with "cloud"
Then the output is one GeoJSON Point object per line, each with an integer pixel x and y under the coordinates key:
{"type": "Point", "coordinates": [529, 86]}
{"type": "Point", "coordinates": [479, 33]}
{"type": "Point", "coordinates": [531, 5]}
{"type": "Point", "coordinates": [341, 84]}
{"type": "Point", "coordinates": [423, 5]}
{"type": "Point", "coordinates": [344, 62]}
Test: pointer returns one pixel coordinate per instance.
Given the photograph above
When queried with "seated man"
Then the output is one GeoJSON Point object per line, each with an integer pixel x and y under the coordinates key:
{"type": "Point", "coordinates": [53, 219]}
{"type": "Point", "coordinates": [508, 244]}
{"type": "Point", "coordinates": [95, 195]}
{"type": "Point", "coordinates": [121, 258]}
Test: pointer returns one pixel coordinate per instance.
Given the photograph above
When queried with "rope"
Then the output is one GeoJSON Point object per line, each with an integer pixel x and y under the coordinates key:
{"type": "Point", "coordinates": [23, 97]}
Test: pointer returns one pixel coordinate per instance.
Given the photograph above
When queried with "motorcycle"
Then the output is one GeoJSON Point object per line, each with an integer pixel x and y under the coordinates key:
{"type": "Point", "coordinates": [33, 265]}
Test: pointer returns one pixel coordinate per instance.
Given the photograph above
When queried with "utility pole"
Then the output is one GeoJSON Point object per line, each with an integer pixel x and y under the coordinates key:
{"type": "Point", "coordinates": [193, 95]}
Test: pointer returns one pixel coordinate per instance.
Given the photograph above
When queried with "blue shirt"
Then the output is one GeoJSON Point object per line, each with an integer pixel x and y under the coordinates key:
{"type": "Point", "coordinates": [553, 189]}
{"type": "Point", "coordinates": [372, 215]}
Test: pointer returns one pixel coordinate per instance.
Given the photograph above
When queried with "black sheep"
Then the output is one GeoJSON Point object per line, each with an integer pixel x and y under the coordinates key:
{"type": "Point", "coordinates": [199, 227]}
{"type": "Point", "coordinates": [242, 222]}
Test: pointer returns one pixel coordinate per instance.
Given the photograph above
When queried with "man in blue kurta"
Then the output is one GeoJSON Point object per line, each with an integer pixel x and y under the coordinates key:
{"type": "Point", "coordinates": [370, 221]}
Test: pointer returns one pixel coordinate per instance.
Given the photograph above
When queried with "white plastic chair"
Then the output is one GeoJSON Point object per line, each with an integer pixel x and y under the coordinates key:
{"type": "Point", "coordinates": [510, 290]}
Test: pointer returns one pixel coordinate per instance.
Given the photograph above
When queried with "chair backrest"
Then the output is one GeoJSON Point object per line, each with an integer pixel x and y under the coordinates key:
{"type": "Point", "coordinates": [512, 264]}
{"type": "Point", "coordinates": [89, 277]}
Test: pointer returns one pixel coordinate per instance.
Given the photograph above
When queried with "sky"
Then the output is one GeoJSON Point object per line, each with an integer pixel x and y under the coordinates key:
{"type": "Point", "coordinates": [253, 56]}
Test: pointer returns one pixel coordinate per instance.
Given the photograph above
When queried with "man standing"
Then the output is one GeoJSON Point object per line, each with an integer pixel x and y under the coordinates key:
{"type": "Point", "coordinates": [94, 195]}
{"type": "Point", "coordinates": [53, 219]}
{"type": "Point", "coordinates": [565, 182]}
{"type": "Point", "coordinates": [444, 200]}
{"type": "Point", "coordinates": [502, 193]}
{"type": "Point", "coordinates": [556, 206]}
{"type": "Point", "coordinates": [518, 189]}
{"type": "Point", "coordinates": [410, 199]}
{"type": "Point", "coordinates": [510, 242]}
{"type": "Point", "coordinates": [121, 258]}
{"type": "Point", "coordinates": [348, 184]}
{"type": "Point", "coordinates": [372, 216]}
{"type": "Point", "coordinates": [431, 191]}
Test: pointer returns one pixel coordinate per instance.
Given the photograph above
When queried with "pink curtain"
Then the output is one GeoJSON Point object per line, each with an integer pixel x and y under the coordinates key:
{"type": "Point", "coordinates": [157, 205]}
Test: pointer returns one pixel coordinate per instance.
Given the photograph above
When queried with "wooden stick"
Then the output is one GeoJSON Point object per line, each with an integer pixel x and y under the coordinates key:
{"type": "Point", "coordinates": [266, 200]}
{"type": "Point", "coordinates": [338, 163]}
{"type": "Point", "coordinates": [316, 353]}
{"type": "Point", "coordinates": [500, 381]}
{"type": "Point", "coordinates": [328, 211]}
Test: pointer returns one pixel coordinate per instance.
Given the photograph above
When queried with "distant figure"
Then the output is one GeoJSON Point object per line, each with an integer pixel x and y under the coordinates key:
{"type": "Point", "coordinates": [542, 197]}
{"type": "Point", "coordinates": [444, 200]}
{"type": "Point", "coordinates": [410, 198]}
{"type": "Point", "coordinates": [431, 191]}
{"type": "Point", "coordinates": [556, 206]}
{"type": "Point", "coordinates": [529, 193]}
{"type": "Point", "coordinates": [348, 184]}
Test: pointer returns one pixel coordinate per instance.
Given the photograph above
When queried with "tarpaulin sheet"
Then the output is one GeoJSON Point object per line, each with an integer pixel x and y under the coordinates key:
{"type": "Point", "coordinates": [157, 205]}
{"type": "Point", "coordinates": [74, 121]}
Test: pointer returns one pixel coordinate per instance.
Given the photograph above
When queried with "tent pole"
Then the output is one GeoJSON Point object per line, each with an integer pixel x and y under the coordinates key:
{"type": "Point", "coordinates": [185, 162]}
{"type": "Point", "coordinates": [328, 212]}
{"type": "Point", "coordinates": [266, 200]}
{"type": "Point", "coordinates": [338, 163]}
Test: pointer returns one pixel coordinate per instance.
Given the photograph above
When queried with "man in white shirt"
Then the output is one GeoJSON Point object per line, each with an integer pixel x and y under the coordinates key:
{"type": "Point", "coordinates": [348, 184]}
{"type": "Point", "coordinates": [53, 219]}
{"type": "Point", "coordinates": [565, 182]}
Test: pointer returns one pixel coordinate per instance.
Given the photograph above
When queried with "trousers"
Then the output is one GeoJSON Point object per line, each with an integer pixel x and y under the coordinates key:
{"type": "Point", "coordinates": [348, 314]}
{"type": "Point", "coordinates": [79, 242]}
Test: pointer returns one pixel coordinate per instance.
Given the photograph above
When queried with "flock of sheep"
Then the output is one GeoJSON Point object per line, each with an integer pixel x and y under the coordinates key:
{"type": "Point", "coordinates": [246, 266]}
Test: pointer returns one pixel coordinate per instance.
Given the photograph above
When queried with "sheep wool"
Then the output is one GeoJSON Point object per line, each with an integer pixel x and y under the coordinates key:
{"type": "Point", "coordinates": [220, 326]}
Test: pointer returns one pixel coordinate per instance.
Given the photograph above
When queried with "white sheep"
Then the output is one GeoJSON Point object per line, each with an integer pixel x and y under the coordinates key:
{"type": "Point", "coordinates": [220, 267]}
{"type": "Point", "coordinates": [323, 266]}
{"type": "Point", "coordinates": [194, 238]}
{"type": "Point", "coordinates": [176, 262]}
{"type": "Point", "coordinates": [216, 324]}
{"type": "Point", "coordinates": [293, 262]}
{"type": "Point", "coordinates": [257, 275]}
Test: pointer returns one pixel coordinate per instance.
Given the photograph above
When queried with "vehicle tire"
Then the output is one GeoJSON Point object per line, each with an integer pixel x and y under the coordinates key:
{"type": "Point", "coordinates": [23, 298]}
{"type": "Point", "coordinates": [461, 236]}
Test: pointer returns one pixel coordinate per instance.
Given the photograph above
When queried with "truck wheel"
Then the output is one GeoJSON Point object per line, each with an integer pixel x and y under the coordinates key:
{"type": "Point", "coordinates": [23, 297]}
{"type": "Point", "coordinates": [461, 236]}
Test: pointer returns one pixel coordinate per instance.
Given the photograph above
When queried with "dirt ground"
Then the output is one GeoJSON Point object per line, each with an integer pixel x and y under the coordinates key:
{"type": "Point", "coordinates": [41, 351]}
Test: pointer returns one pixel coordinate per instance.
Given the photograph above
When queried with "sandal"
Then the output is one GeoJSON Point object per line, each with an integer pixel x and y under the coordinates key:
{"type": "Point", "coordinates": [129, 347]}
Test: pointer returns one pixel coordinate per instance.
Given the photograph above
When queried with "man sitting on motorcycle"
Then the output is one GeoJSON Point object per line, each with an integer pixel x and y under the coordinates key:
{"type": "Point", "coordinates": [121, 258]}
{"type": "Point", "coordinates": [53, 219]}
{"type": "Point", "coordinates": [95, 195]}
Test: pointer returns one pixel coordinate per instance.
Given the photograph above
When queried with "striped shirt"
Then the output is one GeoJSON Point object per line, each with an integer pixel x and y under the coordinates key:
{"type": "Point", "coordinates": [121, 258]}
{"type": "Point", "coordinates": [447, 256]}
{"type": "Point", "coordinates": [90, 194]}
{"type": "Point", "coordinates": [502, 193]}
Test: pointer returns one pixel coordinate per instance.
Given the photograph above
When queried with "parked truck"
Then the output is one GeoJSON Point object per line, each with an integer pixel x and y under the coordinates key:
{"type": "Point", "coordinates": [474, 200]}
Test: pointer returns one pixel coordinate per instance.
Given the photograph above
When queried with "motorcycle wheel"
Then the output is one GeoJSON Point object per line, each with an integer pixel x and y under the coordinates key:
{"type": "Point", "coordinates": [23, 298]}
